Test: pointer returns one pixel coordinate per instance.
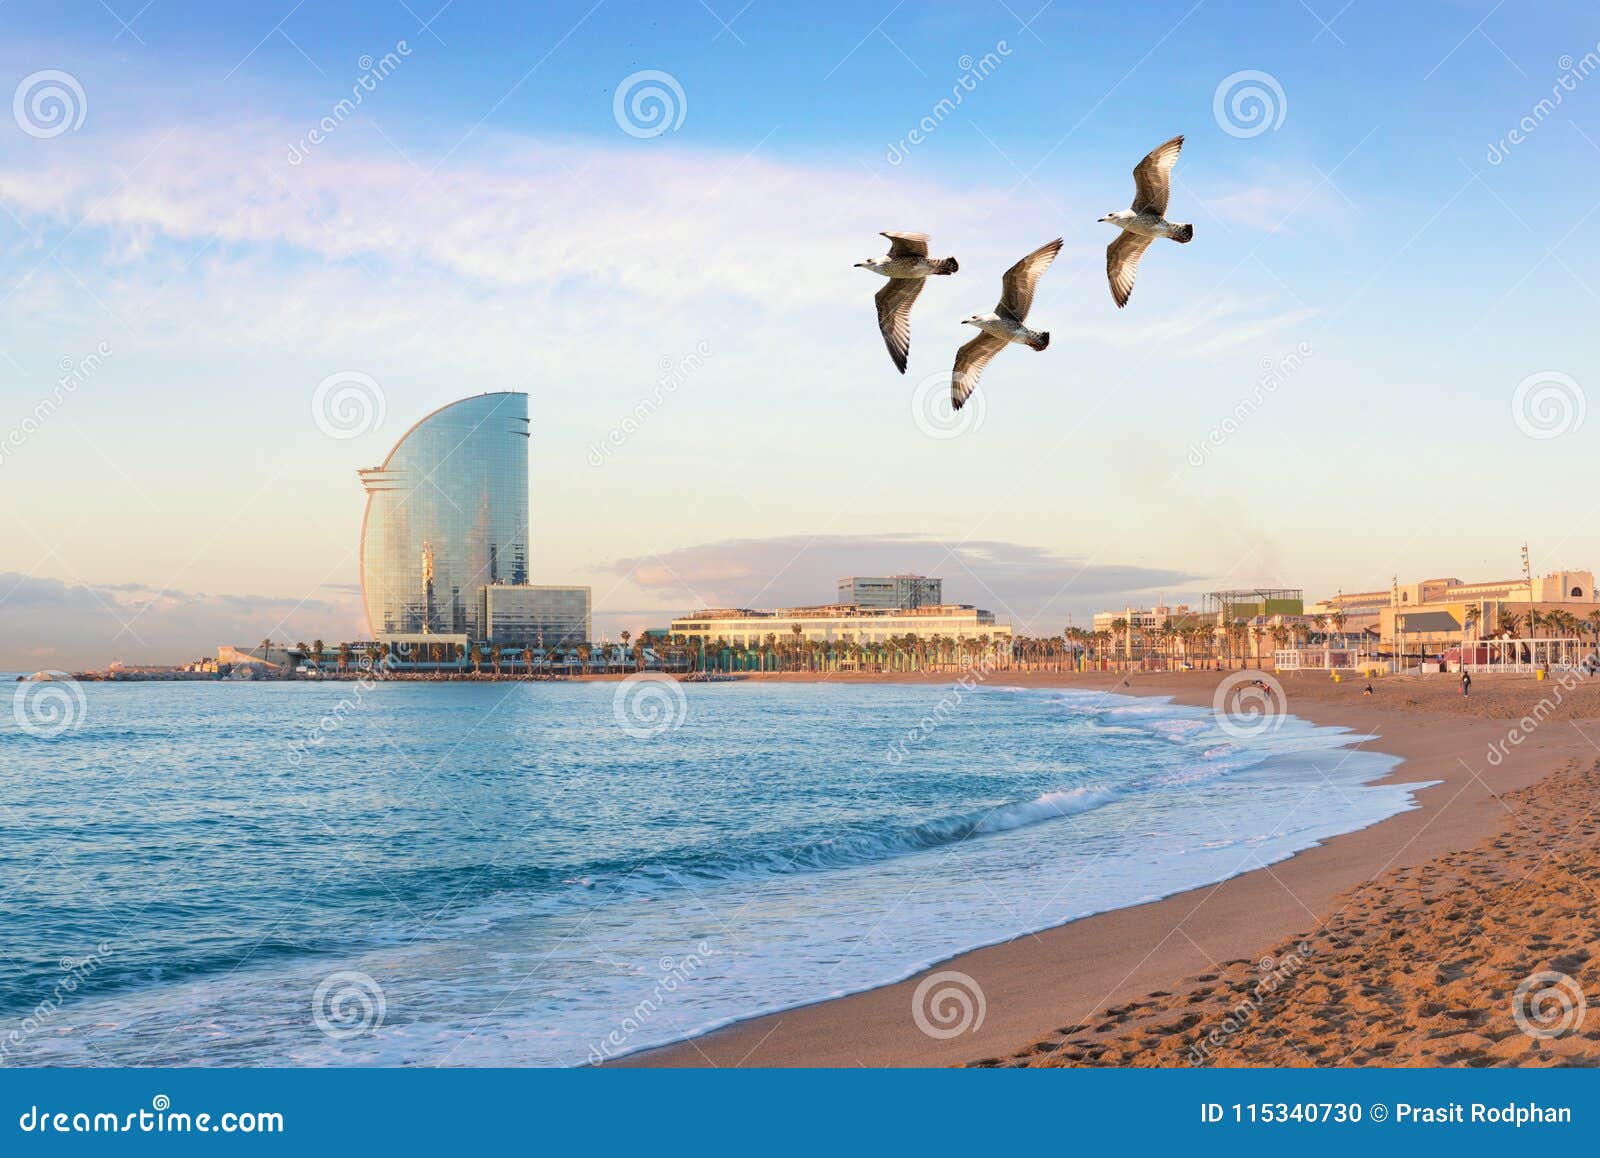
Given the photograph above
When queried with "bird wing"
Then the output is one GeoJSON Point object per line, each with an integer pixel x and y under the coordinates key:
{"type": "Point", "coordinates": [907, 244]}
{"type": "Point", "coordinates": [970, 361]}
{"type": "Point", "coordinates": [1152, 177]}
{"type": "Point", "coordinates": [1016, 288]}
{"type": "Point", "coordinates": [894, 316]}
{"type": "Point", "coordinates": [1122, 263]}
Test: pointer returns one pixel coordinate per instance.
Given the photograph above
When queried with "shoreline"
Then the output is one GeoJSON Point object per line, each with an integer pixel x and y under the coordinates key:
{"type": "Point", "coordinates": [1067, 976]}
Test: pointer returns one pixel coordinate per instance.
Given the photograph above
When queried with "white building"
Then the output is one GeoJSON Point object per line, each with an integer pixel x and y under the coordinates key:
{"type": "Point", "coordinates": [1141, 619]}
{"type": "Point", "coordinates": [843, 623]}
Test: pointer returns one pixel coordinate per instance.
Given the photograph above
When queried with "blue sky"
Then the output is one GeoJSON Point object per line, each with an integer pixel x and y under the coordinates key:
{"type": "Point", "coordinates": [1422, 285]}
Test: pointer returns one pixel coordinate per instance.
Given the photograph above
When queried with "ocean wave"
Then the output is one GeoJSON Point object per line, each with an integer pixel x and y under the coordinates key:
{"type": "Point", "coordinates": [871, 843]}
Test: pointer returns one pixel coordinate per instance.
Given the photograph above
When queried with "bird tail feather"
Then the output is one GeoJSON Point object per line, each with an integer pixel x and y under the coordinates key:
{"type": "Point", "coordinates": [946, 265]}
{"type": "Point", "coordinates": [1183, 234]}
{"type": "Point", "coordinates": [1040, 342]}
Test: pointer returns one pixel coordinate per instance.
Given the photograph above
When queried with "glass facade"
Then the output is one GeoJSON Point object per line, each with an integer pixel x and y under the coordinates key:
{"type": "Point", "coordinates": [447, 515]}
{"type": "Point", "coordinates": [891, 591]}
{"type": "Point", "coordinates": [537, 616]}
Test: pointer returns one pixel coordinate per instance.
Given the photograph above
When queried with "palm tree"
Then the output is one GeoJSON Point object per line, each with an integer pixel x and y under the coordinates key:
{"type": "Point", "coordinates": [1121, 629]}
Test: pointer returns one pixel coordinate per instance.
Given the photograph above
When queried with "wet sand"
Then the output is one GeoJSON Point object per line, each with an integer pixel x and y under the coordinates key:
{"type": "Point", "coordinates": [1403, 943]}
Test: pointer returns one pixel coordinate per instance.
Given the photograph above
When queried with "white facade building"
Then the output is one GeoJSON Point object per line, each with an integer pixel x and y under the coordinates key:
{"type": "Point", "coordinates": [842, 623]}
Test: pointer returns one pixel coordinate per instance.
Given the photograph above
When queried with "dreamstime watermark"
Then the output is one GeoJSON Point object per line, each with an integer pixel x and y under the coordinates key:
{"type": "Point", "coordinates": [1248, 103]}
{"type": "Point", "coordinates": [1250, 704]}
{"type": "Point", "coordinates": [648, 704]}
{"type": "Point", "coordinates": [334, 719]}
{"type": "Point", "coordinates": [1548, 404]}
{"type": "Point", "coordinates": [1573, 73]}
{"type": "Point", "coordinates": [373, 73]}
{"type": "Point", "coordinates": [948, 1004]}
{"type": "Point", "coordinates": [973, 72]}
{"type": "Point", "coordinates": [73, 373]}
{"type": "Point", "coordinates": [48, 103]}
{"type": "Point", "coordinates": [49, 704]}
{"type": "Point", "coordinates": [674, 373]}
{"type": "Point", "coordinates": [1274, 373]}
{"type": "Point", "coordinates": [74, 972]}
{"type": "Point", "coordinates": [348, 404]}
{"type": "Point", "coordinates": [674, 973]}
{"type": "Point", "coordinates": [1275, 973]}
{"type": "Point", "coordinates": [976, 673]}
{"type": "Point", "coordinates": [1548, 1005]}
{"type": "Point", "coordinates": [649, 103]}
{"type": "Point", "coordinates": [1524, 728]}
{"type": "Point", "coordinates": [160, 1118]}
{"type": "Point", "coordinates": [347, 1004]}
{"type": "Point", "coordinates": [934, 412]}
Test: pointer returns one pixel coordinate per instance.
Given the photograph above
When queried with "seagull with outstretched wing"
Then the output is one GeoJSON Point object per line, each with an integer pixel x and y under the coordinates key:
{"type": "Point", "coordinates": [1004, 325]}
{"type": "Point", "coordinates": [1145, 221]}
{"type": "Point", "coordinates": [907, 266]}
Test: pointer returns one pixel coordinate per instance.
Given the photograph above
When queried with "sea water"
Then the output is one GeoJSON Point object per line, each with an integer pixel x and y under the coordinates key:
{"type": "Point", "coordinates": [552, 874]}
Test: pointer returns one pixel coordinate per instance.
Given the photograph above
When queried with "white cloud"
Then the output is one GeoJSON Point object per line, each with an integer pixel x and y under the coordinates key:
{"type": "Point", "coordinates": [50, 623]}
{"type": "Point", "coordinates": [1033, 585]}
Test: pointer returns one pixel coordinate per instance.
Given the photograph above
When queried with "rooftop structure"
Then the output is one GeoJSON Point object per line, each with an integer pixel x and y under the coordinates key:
{"type": "Point", "coordinates": [890, 591]}
{"type": "Point", "coordinates": [1249, 602]}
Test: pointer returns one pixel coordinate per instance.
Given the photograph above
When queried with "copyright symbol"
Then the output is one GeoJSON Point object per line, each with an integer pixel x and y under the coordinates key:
{"type": "Point", "coordinates": [1379, 1111]}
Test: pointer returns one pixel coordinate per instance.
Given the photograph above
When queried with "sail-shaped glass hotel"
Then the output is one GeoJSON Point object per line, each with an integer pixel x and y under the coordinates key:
{"type": "Point", "coordinates": [447, 515]}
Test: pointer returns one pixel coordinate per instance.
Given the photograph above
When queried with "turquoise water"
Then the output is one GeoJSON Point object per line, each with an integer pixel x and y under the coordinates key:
{"type": "Point", "coordinates": [466, 874]}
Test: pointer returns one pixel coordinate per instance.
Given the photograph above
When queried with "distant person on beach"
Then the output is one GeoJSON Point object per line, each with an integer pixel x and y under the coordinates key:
{"type": "Point", "coordinates": [1466, 682]}
{"type": "Point", "coordinates": [1368, 690]}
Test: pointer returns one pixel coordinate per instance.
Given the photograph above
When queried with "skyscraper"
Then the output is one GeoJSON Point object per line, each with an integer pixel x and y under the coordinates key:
{"type": "Point", "coordinates": [447, 514]}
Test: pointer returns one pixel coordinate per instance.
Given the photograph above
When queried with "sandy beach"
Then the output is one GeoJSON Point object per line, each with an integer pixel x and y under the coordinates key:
{"type": "Point", "coordinates": [1402, 943]}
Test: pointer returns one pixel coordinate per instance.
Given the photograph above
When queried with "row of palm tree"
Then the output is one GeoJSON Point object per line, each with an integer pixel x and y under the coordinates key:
{"type": "Point", "coordinates": [1201, 642]}
{"type": "Point", "coordinates": [1556, 624]}
{"type": "Point", "coordinates": [793, 652]}
{"type": "Point", "coordinates": [1178, 641]}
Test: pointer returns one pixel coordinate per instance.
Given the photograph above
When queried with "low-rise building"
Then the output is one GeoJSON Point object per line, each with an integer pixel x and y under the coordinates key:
{"type": "Point", "coordinates": [1142, 619]}
{"type": "Point", "coordinates": [1432, 614]}
{"type": "Point", "coordinates": [843, 623]}
{"type": "Point", "coordinates": [537, 616]}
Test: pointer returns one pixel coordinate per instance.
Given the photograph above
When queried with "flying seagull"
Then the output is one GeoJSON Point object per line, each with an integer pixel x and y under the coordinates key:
{"type": "Point", "coordinates": [907, 265]}
{"type": "Point", "coordinates": [1005, 324]}
{"type": "Point", "coordinates": [1146, 221]}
